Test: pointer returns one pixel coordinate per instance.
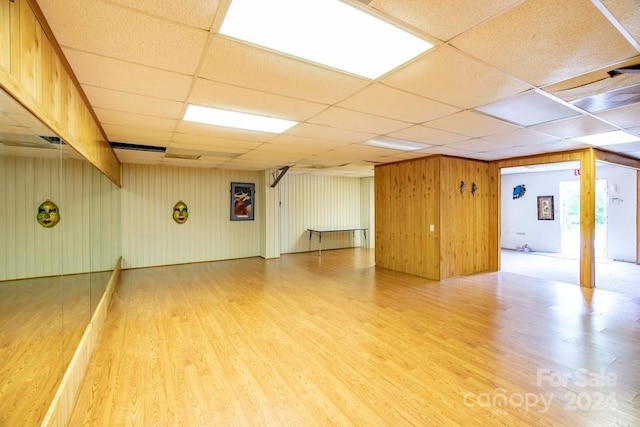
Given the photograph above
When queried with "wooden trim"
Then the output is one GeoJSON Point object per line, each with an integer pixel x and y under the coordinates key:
{"type": "Point", "coordinates": [587, 218]}
{"type": "Point", "coordinates": [63, 59]}
{"type": "Point", "coordinates": [495, 217]}
{"type": "Point", "coordinates": [63, 402]}
{"type": "Point", "coordinates": [564, 156]}
{"type": "Point", "coordinates": [617, 159]}
{"type": "Point", "coordinates": [638, 219]}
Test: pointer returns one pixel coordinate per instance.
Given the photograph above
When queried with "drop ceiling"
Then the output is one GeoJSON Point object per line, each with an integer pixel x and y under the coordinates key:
{"type": "Point", "coordinates": [506, 78]}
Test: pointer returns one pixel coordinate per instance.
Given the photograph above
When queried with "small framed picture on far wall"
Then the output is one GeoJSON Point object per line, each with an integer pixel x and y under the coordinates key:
{"type": "Point", "coordinates": [242, 204]}
{"type": "Point", "coordinates": [545, 208]}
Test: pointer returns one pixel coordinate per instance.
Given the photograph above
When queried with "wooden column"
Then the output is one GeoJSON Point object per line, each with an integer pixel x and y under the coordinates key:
{"type": "Point", "coordinates": [494, 217]}
{"type": "Point", "coordinates": [587, 218]}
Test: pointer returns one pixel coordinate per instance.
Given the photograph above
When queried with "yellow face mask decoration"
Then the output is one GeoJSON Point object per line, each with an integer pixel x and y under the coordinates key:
{"type": "Point", "coordinates": [48, 214]}
{"type": "Point", "coordinates": [180, 212]}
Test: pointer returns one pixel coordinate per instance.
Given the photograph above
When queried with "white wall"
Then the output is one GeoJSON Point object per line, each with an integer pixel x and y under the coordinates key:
{"type": "Point", "coordinates": [621, 210]}
{"type": "Point", "coordinates": [151, 237]}
{"type": "Point", "coordinates": [87, 201]}
{"type": "Point", "coordinates": [520, 222]}
{"type": "Point", "coordinates": [308, 200]}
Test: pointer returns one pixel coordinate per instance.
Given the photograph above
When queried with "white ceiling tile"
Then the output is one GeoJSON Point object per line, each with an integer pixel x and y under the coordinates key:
{"type": "Point", "coordinates": [196, 13]}
{"type": "Point", "coordinates": [436, 19]}
{"type": "Point", "coordinates": [308, 130]}
{"type": "Point", "coordinates": [427, 135]}
{"type": "Point", "coordinates": [298, 141]}
{"type": "Point", "coordinates": [236, 98]}
{"type": "Point", "coordinates": [626, 117]}
{"type": "Point", "coordinates": [110, 117]}
{"type": "Point", "coordinates": [129, 103]}
{"type": "Point", "coordinates": [221, 144]}
{"type": "Point", "coordinates": [353, 120]}
{"type": "Point", "coordinates": [521, 137]}
{"type": "Point", "coordinates": [122, 76]}
{"type": "Point", "coordinates": [529, 108]}
{"type": "Point", "coordinates": [574, 127]}
{"type": "Point", "coordinates": [629, 147]}
{"type": "Point", "coordinates": [448, 76]}
{"type": "Point", "coordinates": [130, 135]}
{"type": "Point", "coordinates": [479, 145]}
{"type": "Point", "coordinates": [118, 32]}
{"type": "Point", "coordinates": [140, 157]}
{"type": "Point", "coordinates": [6, 120]}
{"type": "Point", "coordinates": [471, 124]}
{"type": "Point", "coordinates": [384, 101]}
{"type": "Point", "coordinates": [547, 41]}
{"type": "Point", "coordinates": [626, 12]}
{"type": "Point", "coordinates": [222, 132]}
{"type": "Point", "coordinates": [239, 64]}
{"type": "Point", "coordinates": [443, 149]}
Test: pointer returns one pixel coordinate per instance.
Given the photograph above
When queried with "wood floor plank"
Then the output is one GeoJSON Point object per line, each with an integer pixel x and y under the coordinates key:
{"type": "Point", "coordinates": [303, 340]}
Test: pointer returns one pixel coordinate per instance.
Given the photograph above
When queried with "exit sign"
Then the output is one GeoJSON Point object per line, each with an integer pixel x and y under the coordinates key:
{"type": "Point", "coordinates": [576, 172]}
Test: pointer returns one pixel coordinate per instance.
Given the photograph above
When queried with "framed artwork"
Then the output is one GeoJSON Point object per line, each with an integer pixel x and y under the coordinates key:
{"type": "Point", "coordinates": [545, 208]}
{"type": "Point", "coordinates": [242, 201]}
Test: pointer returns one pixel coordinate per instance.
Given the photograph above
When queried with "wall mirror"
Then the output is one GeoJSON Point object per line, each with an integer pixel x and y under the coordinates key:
{"type": "Point", "coordinates": [51, 277]}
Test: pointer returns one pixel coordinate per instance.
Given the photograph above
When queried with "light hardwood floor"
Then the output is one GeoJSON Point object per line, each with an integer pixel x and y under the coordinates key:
{"type": "Point", "coordinates": [310, 341]}
{"type": "Point", "coordinates": [41, 323]}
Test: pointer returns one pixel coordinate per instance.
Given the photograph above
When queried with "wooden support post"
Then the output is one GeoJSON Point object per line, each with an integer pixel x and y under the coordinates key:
{"type": "Point", "coordinates": [587, 218]}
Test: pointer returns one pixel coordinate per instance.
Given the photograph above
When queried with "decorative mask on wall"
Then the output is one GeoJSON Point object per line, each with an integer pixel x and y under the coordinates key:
{"type": "Point", "coordinates": [48, 214]}
{"type": "Point", "coordinates": [461, 187]}
{"type": "Point", "coordinates": [180, 212]}
{"type": "Point", "coordinates": [518, 191]}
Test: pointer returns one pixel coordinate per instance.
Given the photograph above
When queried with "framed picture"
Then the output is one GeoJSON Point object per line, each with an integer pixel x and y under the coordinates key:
{"type": "Point", "coordinates": [545, 208]}
{"type": "Point", "coordinates": [242, 201]}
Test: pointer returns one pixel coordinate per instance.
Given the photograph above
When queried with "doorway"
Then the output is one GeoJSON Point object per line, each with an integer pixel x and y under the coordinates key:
{"type": "Point", "coordinates": [569, 192]}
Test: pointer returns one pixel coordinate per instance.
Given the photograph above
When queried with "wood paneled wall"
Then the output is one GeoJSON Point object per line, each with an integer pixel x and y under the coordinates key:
{"type": "Point", "coordinates": [34, 71]}
{"type": "Point", "coordinates": [28, 249]}
{"type": "Point", "coordinates": [466, 243]}
{"type": "Point", "coordinates": [417, 196]}
{"type": "Point", "coordinates": [151, 236]}
{"type": "Point", "coordinates": [407, 202]}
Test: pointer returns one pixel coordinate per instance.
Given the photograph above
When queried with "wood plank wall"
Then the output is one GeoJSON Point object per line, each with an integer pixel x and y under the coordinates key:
{"type": "Point", "coordinates": [412, 196]}
{"type": "Point", "coordinates": [407, 202]}
{"type": "Point", "coordinates": [466, 225]}
{"type": "Point", "coordinates": [34, 71]}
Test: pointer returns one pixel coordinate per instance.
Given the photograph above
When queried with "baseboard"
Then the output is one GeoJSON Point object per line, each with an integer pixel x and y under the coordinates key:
{"type": "Point", "coordinates": [65, 397]}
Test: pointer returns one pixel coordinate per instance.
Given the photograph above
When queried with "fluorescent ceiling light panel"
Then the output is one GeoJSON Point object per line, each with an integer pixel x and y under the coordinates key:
{"type": "Point", "coordinates": [395, 144]}
{"type": "Point", "coordinates": [234, 119]}
{"type": "Point", "coordinates": [529, 108]}
{"type": "Point", "coordinates": [327, 32]}
{"type": "Point", "coordinates": [608, 138]}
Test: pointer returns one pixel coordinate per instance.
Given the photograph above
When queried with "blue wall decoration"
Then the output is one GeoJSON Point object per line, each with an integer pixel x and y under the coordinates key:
{"type": "Point", "coordinates": [518, 191]}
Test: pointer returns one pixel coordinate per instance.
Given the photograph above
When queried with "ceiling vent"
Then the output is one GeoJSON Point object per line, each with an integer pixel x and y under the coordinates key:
{"type": "Point", "coordinates": [183, 156]}
{"type": "Point", "coordinates": [136, 147]}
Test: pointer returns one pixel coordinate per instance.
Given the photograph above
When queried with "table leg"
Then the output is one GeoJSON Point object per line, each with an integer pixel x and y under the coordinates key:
{"type": "Point", "coordinates": [319, 242]}
{"type": "Point", "coordinates": [365, 238]}
{"type": "Point", "coordinates": [310, 233]}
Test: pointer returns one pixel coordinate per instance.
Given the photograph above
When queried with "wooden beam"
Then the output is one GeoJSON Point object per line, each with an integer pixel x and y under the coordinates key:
{"type": "Point", "coordinates": [565, 156]}
{"type": "Point", "coordinates": [587, 217]}
{"type": "Point", "coordinates": [617, 159]}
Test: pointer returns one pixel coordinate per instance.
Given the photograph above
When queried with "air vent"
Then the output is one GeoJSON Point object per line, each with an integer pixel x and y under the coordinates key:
{"type": "Point", "coordinates": [136, 147]}
{"type": "Point", "coordinates": [632, 69]}
{"type": "Point", "coordinates": [52, 139]}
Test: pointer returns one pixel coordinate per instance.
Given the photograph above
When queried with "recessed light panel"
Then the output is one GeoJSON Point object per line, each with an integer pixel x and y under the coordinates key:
{"type": "Point", "coordinates": [529, 108]}
{"type": "Point", "coordinates": [327, 32]}
{"type": "Point", "coordinates": [608, 138]}
{"type": "Point", "coordinates": [395, 144]}
{"type": "Point", "coordinates": [234, 119]}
